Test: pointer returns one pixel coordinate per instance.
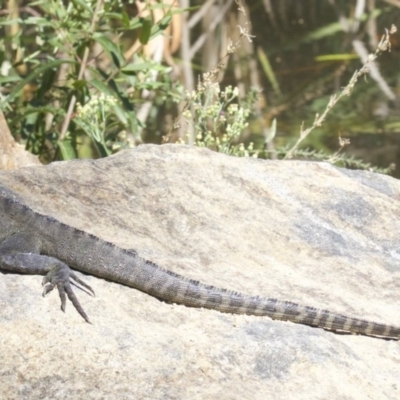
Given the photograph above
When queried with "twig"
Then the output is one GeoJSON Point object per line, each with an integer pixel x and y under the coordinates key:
{"type": "Point", "coordinates": [383, 45]}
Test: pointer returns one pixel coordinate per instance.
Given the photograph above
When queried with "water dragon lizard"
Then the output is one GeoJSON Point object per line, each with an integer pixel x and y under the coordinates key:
{"type": "Point", "coordinates": [33, 243]}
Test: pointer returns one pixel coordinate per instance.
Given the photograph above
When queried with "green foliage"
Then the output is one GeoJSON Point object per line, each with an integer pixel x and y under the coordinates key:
{"type": "Point", "coordinates": [68, 52]}
{"type": "Point", "coordinates": [69, 90]}
{"type": "Point", "coordinates": [92, 118]}
{"type": "Point", "coordinates": [219, 118]}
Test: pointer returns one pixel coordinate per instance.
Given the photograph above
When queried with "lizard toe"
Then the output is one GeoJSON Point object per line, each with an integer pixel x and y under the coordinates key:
{"type": "Point", "coordinates": [60, 276]}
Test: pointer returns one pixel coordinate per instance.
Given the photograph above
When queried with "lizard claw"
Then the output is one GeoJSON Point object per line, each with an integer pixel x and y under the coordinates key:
{"type": "Point", "coordinates": [60, 275]}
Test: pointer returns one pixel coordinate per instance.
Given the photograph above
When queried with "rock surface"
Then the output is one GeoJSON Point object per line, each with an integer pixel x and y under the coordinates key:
{"type": "Point", "coordinates": [300, 231]}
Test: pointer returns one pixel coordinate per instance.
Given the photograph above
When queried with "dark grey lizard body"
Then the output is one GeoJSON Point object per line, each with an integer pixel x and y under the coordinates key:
{"type": "Point", "coordinates": [33, 243]}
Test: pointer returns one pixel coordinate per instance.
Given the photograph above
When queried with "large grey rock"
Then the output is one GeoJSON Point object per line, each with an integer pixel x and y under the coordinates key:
{"type": "Point", "coordinates": [300, 231]}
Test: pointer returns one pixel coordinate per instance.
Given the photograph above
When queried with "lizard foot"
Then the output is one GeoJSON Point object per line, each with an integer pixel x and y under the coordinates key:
{"type": "Point", "coordinates": [60, 275]}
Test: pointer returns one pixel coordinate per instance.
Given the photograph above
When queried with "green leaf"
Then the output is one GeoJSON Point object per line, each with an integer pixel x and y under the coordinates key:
{"type": "Point", "coordinates": [46, 83]}
{"type": "Point", "coordinates": [125, 19]}
{"type": "Point", "coordinates": [6, 22]}
{"type": "Point", "coordinates": [10, 78]}
{"type": "Point", "coordinates": [110, 47]}
{"type": "Point", "coordinates": [336, 57]}
{"type": "Point", "coordinates": [39, 21]}
{"type": "Point", "coordinates": [79, 84]}
{"type": "Point", "coordinates": [163, 24]}
{"type": "Point", "coordinates": [152, 85]}
{"type": "Point", "coordinates": [133, 69]}
{"type": "Point", "coordinates": [272, 131]}
{"type": "Point", "coordinates": [35, 73]}
{"type": "Point", "coordinates": [325, 31]}
{"type": "Point", "coordinates": [103, 150]}
{"type": "Point", "coordinates": [66, 149]}
{"type": "Point", "coordinates": [102, 87]}
{"type": "Point", "coordinates": [145, 31]}
{"type": "Point", "coordinates": [43, 109]}
{"type": "Point", "coordinates": [83, 4]}
{"type": "Point", "coordinates": [135, 23]}
{"type": "Point", "coordinates": [333, 28]}
{"type": "Point", "coordinates": [268, 70]}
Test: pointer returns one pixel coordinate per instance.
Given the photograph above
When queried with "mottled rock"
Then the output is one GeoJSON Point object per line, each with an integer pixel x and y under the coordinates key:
{"type": "Point", "coordinates": [301, 231]}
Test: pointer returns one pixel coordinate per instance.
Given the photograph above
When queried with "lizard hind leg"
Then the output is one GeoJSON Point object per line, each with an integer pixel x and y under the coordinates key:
{"type": "Point", "coordinates": [20, 253]}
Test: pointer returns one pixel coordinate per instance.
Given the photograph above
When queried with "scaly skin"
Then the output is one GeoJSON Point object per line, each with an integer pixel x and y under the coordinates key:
{"type": "Point", "coordinates": [33, 243]}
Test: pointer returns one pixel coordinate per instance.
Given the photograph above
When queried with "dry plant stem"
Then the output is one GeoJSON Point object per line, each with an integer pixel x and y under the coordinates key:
{"type": "Point", "coordinates": [371, 25]}
{"type": "Point", "coordinates": [82, 69]}
{"type": "Point", "coordinates": [199, 14]}
{"type": "Point", "coordinates": [374, 72]}
{"type": "Point", "coordinates": [187, 69]}
{"type": "Point", "coordinates": [335, 157]}
{"type": "Point", "coordinates": [200, 41]}
{"type": "Point", "coordinates": [13, 29]}
{"type": "Point", "coordinates": [254, 76]}
{"type": "Point", "coordinates": [383, 45]}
